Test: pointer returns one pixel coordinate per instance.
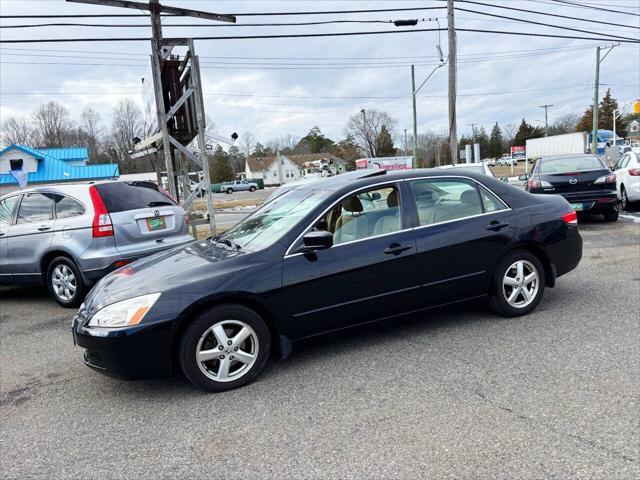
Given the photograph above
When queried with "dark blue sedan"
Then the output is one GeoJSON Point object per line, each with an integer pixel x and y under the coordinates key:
{"type": "Point", "coordinates": [343, 251]}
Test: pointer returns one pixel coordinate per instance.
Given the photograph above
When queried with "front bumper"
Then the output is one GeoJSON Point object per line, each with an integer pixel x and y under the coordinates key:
{"type": "Point", "coordinates": [136, 352]}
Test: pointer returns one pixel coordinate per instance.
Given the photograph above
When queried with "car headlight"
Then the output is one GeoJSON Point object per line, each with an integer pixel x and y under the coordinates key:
{"type": "Point", "coordinates": [125, 313]}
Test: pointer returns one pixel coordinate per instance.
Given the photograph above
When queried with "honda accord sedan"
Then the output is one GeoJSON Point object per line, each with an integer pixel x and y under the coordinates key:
{"type": "Point", "coordinates": [343, 251]}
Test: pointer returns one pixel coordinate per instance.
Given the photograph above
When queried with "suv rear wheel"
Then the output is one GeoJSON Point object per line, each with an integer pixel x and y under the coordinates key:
{"type": "Point", "coordinates": [65, 282]}
{"type": "Point", "coordinates": [225, 347]}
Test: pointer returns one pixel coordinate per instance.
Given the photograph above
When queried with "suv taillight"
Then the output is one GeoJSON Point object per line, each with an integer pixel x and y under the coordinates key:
{"type": "Point", "coordinates": [102, 226]}
{"type": "Point", "coordinates": [570, 218]}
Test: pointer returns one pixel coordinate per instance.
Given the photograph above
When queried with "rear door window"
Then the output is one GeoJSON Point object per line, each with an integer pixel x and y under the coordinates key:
{"type": "Point", "coordinates": [490, 202]}
{"type": "Point", "coordinates": [125, 196]}
{"type": "Point", "coordinates": [35, 207]}
{"type": "Point", "coordinates": [67, 207]}
{"type": "Point", "coordinates": [443, 200]}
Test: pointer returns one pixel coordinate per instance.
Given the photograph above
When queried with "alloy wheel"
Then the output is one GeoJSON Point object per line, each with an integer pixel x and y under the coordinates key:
{"type": "Point", "coordinates": [64, 282]}
{"type": "Point", "coordinates": [227, 350]}
{"type": "Point", "coordinates": [520, 284]}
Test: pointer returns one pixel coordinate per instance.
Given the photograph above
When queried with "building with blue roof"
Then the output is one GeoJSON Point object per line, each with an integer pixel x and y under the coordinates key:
{"type": "Point", "coordinates": [51, 166]}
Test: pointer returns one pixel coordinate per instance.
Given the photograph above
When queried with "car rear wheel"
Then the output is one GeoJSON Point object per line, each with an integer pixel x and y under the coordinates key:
{"type": "Point", "coordinates": [225, 347]}
{"type": "Point", "coordinates": [625, 203]}
{"type": "Point", "coordinates": [252, 189]}
{"type": "Point", "coordinates": [65, 282]}
{"type": "Point", "coordinates": [612, 215]}
{"type": "Point", "coordinates": [518, 284]}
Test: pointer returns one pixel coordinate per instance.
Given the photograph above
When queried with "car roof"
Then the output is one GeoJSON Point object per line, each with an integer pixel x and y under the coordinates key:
{"type": "Point", "coordinates": [574, 155]}
{"type": "Point", "coordinates": [362, 178]}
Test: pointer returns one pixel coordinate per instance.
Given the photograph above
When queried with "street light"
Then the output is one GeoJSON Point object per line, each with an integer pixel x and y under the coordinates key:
{"type": "Point", "coordinates": [415, 91]}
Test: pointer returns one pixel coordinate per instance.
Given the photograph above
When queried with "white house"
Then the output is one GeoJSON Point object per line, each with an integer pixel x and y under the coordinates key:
{"type": "Point", "coordinates": [289, 168]}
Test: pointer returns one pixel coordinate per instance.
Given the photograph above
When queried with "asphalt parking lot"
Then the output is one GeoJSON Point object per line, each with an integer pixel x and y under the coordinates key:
{"type": "Point", "coordinates": [457, 393]}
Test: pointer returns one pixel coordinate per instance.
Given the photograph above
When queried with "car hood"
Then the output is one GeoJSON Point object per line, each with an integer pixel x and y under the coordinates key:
{"type": "Point", "coordinates": [163, 272]}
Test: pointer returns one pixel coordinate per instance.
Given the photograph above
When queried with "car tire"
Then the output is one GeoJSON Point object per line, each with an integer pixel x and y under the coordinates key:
{"type": "Point", "coordinates": [625, 204]}
{"type": "Point", "coordinates": [65, 282]}
{"type": "Point", "coordinates": [612, 215]}
{"type": "Point", "coordinates": [209, 348]}
{"type": "Point", "coordinates": [229, 191]}
{"type": "Point", "coordinates": [252, 189]}
{"type": "Point", "coordinates": [510, 276]}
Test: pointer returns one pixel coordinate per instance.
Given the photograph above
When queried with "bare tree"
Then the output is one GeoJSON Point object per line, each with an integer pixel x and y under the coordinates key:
{"type": "Point", "coordinates": [52, 127]}
{"type": "Point", "coordinates": [90, 132]}
{"type": "Point", "coordinates": [509, 132]}
{"type": "Point", "coordinates": [16, 131]}
{"type": "Point", "coordinates": [247, 142]}
{"type": "Point", "coordinates": [366, 129]}
{"type": "Point", "coordinates": [565, 124]}
{"type": "Point", "coordinates": [126, 124]}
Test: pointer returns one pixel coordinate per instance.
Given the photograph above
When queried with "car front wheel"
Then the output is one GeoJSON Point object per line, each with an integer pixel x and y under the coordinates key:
{"type": "Point", "coordinates": [224, 347]}
{"type": "Point", "coordinates": [518, 284]}
{"type": "Point", "coordinates": [229, 191]}
{"type": "Point", "coordinates": [65, 282]}
{"type": "Point", "coordinates": [252, 189]}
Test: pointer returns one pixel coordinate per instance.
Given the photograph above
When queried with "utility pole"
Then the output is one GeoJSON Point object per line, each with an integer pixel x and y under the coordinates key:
{"type": "Point", "coordinates": [405, 141]}
{"type": "Point", "coordinates": [594, 130]}
{"type": "Point", "coordinates": [453, 133]}
{"type": "Point", "coordinates": [546, 118]}
{"type": "Point", "coordinates": [415, 117]}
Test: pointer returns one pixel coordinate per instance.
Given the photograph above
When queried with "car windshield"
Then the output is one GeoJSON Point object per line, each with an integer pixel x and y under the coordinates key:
{"type": "Point", "coordinates": [550, 166]}
{"type": "Point", "coordinates": [274, 219]}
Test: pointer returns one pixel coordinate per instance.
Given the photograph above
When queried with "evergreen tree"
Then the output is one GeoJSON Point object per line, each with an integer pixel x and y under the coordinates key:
{"type": "Point", "coordinates": [525, 132]}
{"type": "Point", "coordinates": [315, 142]}
{"type": "Point", "coordinates": [605, 115]}
{"type": "Point", "coordinates": [259, 151]}
{"type": "Point", "coordinates": [221, 171]}
{"type": "Point", "coordinates": [495, 142]}
{"type": "Point", "coordinates": [384, 143]}
{"type": "Point", "coordinates": [348, 150]}
{"type": "Point", "coordinates": [483, 139]}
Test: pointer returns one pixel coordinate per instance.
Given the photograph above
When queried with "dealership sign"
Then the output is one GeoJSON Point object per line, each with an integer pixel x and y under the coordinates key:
{"type": "Point", "coordinates": [385, 163]}
{"type": "Point", "coordinates": [518, 153]}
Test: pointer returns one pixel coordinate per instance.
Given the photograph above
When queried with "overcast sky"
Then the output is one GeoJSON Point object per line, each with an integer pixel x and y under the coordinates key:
{"type": "Point", "coordinates": [272, 87]}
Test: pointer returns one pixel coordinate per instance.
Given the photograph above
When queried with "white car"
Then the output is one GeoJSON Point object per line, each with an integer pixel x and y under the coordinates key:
{"type": "Point", "coordinates": [507, 161]}
{"type": "Point", "coordinates": [627, 172]}
{"type": "Point", "coordinates": [482, 167]}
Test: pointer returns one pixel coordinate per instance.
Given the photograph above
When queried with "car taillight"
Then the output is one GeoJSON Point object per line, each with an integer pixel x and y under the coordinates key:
{"type": "Point", "coordinates": [606, 179]}
{"type": "Point", "coordinates": [570, 218]}
{"type": "Point", "coordinates": [634, 172]}
{"type": "Point", "coordinates": [102, 225]}
{"type": "Point", "coordinates": [533, 183]}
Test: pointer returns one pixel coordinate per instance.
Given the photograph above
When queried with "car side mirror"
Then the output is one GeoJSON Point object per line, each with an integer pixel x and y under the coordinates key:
{"type": "Point", "coordinates": [319, 240]}
{"type": "Point", "coordinates": [524, 177]}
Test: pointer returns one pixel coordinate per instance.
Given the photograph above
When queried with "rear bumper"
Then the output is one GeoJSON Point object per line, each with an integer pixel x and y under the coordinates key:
{"type": "Point", "coordinates": [91, 276]}
{"type": "Point", "coordinates": [566, 254]}
{"type": "Point", "coordinates": [595, 202]}
{"type": "Point", "coordinates": [131, 353]}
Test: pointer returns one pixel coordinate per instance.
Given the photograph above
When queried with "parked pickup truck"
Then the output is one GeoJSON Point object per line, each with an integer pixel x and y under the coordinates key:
{"type": "Point", "coordinates": [238, 186]}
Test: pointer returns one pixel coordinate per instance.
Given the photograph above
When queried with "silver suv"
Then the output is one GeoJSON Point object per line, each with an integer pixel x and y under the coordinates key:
{"type": "Point", "coordinates": [70, 236]}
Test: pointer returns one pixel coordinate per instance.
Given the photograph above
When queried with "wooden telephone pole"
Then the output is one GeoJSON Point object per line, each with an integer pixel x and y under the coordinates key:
{"type": "Point", "coordinates": [188, 109]}
{"type": "Point", "coordinates": [453, 128]}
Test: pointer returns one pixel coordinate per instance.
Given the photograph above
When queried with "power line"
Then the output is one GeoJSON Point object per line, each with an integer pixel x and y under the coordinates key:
{"type": "Point", "coordinates": [592, 7]}
{"type": "Point", "coordinates": [542, 23]}
{"type": "Point", "coordinates": [199, 25]}
{"type": "Point", "coordinates": [246, 14]}
{"type": "Point", "coordinates": [318, 35]}
{"type": "Point", "coordinates": [549, 14]}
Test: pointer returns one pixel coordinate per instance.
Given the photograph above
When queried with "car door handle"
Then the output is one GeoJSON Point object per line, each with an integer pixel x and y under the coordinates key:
{"type": "Point", "coordinates": [396, 248]}
{"type": "Point", "coordinates": [495, 225]}
{"type": "Point", "coordinates": [44, 228]}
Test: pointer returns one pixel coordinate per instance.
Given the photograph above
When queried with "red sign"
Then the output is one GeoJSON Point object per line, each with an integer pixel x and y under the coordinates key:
{"type": "Point", "coordinates": [519, 153]}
